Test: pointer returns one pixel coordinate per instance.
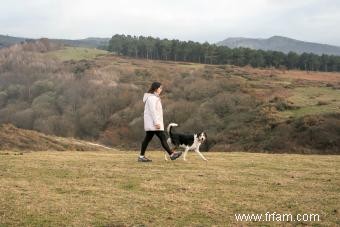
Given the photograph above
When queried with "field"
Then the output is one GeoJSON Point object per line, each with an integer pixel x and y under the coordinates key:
{"type": "Point", "coordinates": [76, 53]}
{"type": "Point", "coordinates": [109, 188]}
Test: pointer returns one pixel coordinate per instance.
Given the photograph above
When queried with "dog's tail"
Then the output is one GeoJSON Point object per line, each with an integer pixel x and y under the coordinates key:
{"type": "Point", "coordinates": [170, 126]}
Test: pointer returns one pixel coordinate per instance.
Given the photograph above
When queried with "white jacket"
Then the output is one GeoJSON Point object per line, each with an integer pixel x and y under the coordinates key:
{"type": "Point", "coordinates": [153, 112]}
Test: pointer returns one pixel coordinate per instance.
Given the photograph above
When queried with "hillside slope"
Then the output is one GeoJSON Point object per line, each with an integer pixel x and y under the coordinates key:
{"type": "Point", "coordinates": [282, 44]}
{"type": "Point", "coordinates": [13, 138]}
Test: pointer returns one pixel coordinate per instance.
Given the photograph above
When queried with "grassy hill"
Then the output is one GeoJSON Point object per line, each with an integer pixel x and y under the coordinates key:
{"type": "Point", "coordinates": [112, 189]}
{"type": "Point", "coordinates": [67, 93]}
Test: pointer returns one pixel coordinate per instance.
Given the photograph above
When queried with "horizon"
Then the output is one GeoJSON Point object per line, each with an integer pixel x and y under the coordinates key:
{"type": "Point", "coordinates": [53, 38]}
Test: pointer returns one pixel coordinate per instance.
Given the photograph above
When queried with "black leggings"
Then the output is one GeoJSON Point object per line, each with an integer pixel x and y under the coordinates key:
{"type": "Point", "coordinates": [162, 138]}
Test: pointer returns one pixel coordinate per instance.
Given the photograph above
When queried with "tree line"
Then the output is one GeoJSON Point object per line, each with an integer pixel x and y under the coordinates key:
{"type": "Point", "coordinates": [189, 51]}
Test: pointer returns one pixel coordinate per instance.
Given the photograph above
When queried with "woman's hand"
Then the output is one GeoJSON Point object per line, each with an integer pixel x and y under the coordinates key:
{"type": "Point", "coordinates": [158, 126]}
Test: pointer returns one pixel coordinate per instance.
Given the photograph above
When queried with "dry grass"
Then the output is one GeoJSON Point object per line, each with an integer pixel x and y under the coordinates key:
{"type": "Point", "coordinates": [112, 189]}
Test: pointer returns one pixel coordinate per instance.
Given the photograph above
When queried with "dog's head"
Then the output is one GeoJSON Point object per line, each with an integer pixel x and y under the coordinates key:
{"type": "Point", "coordinates": [202, 137]}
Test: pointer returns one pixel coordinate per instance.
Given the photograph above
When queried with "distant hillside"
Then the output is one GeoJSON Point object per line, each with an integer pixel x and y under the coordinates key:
{"type": "Point", "coordinates": [6, 41]}
{"type": "Point", "coordinates": [282, 44]}
{"type": "Point", "coordinates": [88, 42]}
{"type": "Point", "coordinates": [13, 138]}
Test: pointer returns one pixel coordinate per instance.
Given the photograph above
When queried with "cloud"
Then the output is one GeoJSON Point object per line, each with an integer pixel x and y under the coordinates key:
{"type": "Point", "coordinates": [214, 20]}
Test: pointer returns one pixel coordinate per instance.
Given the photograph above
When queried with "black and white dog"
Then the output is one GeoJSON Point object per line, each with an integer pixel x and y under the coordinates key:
{"type": "Point", "coordinates": [188, 142]}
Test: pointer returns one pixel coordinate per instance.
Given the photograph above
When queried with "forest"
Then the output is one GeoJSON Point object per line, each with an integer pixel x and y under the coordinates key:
{"type": "Point", "coordinates": [189, 51]}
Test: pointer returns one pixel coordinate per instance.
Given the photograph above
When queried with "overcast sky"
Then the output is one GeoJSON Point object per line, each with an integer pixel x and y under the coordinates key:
{"type": "Point", "coordinates": [212, 20]}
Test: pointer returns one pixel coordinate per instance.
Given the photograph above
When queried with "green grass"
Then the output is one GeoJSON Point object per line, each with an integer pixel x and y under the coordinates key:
{"type": "Point", "coordinates": [313, 100]}
{"type": "Point", "coordinates": [77, 53]}
{"type": "Point", "coordinates": [112, 189]}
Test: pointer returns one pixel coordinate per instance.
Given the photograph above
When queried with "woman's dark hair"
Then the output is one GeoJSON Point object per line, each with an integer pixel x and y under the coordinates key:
{"type": "Point", "coordinates": [154, 87]}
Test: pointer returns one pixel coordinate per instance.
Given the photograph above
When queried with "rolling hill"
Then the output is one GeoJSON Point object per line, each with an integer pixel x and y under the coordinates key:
{"type": "Point", "coordinates": [282, 44]}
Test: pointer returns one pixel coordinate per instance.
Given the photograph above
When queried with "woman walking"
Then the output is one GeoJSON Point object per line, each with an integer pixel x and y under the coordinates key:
{"type": "Point", "coordinates": [153, 122]}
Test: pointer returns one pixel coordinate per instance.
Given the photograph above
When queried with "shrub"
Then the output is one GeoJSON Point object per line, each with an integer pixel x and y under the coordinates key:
{"type": "Point", "coordinates": [41, 86]}
{"type": "Point", "coordinates": [3, 99]}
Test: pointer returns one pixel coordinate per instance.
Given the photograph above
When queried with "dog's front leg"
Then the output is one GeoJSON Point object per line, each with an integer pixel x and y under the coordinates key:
{"type": "Point", "coordinates": [200, 154]}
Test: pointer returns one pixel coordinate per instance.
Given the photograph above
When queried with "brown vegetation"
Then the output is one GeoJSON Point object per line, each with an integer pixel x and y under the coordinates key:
{"type": "Point", "coordinates": [100, 99]}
